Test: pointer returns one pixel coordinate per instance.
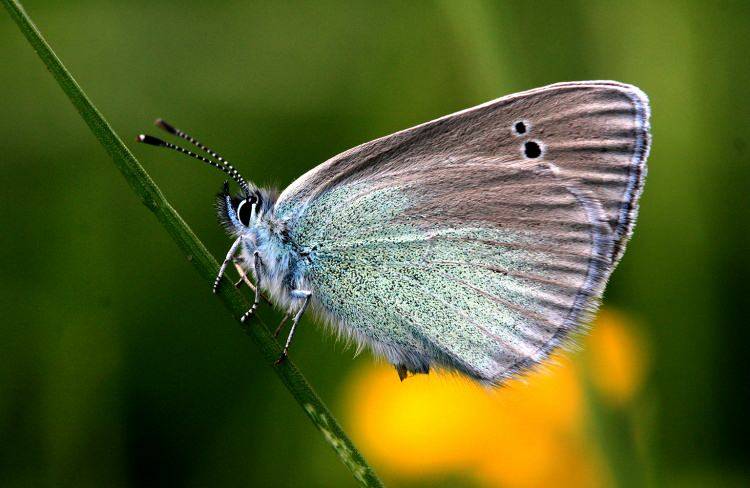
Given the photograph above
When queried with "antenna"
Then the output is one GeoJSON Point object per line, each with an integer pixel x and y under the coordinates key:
{"type": "Point", "coordinates": [164, 125]}
{"type": "Point", "coordinates": [225, 167]}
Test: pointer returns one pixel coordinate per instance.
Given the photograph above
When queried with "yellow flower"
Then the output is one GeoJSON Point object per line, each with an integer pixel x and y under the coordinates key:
{"type": "Point", "coordinates": [615, 357]}
{"type": "Point", "coordinates": [529, 433]}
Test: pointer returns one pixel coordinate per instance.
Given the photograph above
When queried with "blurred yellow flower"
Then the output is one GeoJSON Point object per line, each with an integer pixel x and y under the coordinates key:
{"type": "Point", "coordinates": [616, 357]}
{"type": "Point", "coordinates": [529, 433]}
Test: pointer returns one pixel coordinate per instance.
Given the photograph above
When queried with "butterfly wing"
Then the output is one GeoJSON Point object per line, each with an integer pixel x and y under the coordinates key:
{"type": "Point", "coordinates": [479, 240]}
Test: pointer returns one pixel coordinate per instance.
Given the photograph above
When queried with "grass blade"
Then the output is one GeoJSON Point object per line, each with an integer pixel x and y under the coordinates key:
{"type": "Point", "coordinates": [151, 196]}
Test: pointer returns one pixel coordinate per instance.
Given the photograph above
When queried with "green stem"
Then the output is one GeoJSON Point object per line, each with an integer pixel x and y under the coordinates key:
{"type": "Point", "coordinates": [143, 186]}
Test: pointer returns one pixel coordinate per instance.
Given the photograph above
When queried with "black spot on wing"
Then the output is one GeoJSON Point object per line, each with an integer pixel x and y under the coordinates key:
{"type": "Point", "coordinates": [532, 149]}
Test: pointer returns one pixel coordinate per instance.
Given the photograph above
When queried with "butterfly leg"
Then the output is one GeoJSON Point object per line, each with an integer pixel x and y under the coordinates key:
{"type": "Point", "coordinates": [305, 295]}
{"type": "Point", "coordinates": [243, 276]}
{"type": "Point", "coordinates": [281, 324]}
{"type": "Point", "coordinates": [227, 260]}
{"type": "Point", "coordinates": [246, 280]}
{"type": "Point", "coordinates": [257, 263]}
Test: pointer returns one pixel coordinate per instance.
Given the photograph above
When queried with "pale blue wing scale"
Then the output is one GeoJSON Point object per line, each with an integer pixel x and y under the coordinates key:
{"type": "Point", "coordinates": [485, 301]}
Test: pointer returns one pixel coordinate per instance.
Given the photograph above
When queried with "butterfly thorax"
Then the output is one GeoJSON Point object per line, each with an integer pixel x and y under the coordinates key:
{"type": "Point", "coordinates": [282, 267]}
{"type": "Point", "coordinates": [266, 250]}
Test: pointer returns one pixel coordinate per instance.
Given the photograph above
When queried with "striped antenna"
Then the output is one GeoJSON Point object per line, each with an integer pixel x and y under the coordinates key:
{"type": "Point", "coordinates": [167, 127]}
{"type": "Point", "coordinates": [225, 167]}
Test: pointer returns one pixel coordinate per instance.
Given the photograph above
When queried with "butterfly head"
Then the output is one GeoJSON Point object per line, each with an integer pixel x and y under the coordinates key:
{"type": "Point", "coordinates": [238, 213]}
{"type": "Point", "coordinates": [242, 212]}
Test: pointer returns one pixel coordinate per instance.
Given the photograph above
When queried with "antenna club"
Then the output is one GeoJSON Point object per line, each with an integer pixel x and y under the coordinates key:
{"type": "Point", "coordinates": [165, 126]}
{"type": "Point", "coordinates": [223, 165]}
{"type": "Point", "coordinates": [147, 139]}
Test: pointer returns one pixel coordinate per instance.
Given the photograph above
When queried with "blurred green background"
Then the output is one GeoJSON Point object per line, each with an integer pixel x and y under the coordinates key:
{"type": "Point", "coordinates": [117, 365]}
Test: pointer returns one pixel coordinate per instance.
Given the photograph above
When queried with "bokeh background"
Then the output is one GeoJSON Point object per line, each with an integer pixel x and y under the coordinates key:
{"type": "Point", "coordinates": [119, 368]}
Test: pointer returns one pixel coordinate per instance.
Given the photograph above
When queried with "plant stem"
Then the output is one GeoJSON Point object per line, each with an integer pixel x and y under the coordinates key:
{"type": "Point", "coordinates": [151, 196]}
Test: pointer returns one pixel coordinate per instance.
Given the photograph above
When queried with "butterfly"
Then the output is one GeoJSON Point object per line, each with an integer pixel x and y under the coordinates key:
{"type": "Point", "coordinates": [477, 242]}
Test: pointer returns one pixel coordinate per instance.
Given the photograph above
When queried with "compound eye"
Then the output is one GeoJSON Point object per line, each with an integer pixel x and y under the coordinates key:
{"type": "Point", "coordinates": [244, 209]}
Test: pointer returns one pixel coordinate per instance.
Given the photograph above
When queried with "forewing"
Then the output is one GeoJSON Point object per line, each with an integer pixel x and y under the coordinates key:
{"type": "Point", "coordinates": [595, 131]}
{"type": "Point", "coordinates": [451, 243]}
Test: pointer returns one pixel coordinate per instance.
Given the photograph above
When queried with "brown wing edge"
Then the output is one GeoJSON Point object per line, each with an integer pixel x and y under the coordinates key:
{"type": "Point", "coordinates": [587, 300]}
{"type": "Point", "coordinates": [639, 169]}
